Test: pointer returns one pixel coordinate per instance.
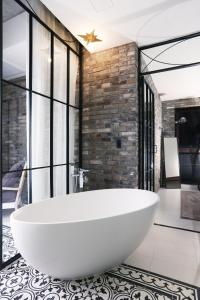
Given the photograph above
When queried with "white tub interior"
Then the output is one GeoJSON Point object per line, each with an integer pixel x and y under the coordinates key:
{"type": "Point", "coordinates": [86, 206]}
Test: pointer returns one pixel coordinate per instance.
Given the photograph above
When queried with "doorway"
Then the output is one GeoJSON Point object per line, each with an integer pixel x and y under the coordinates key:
{"type": "Point", "coordinates": [187, 131]}
{"type": "Point", "coordinates": [168, 62]}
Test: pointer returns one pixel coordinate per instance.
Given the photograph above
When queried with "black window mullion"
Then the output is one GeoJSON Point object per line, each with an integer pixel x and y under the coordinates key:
{"type": "Point", "coordinates": [1, 85]}
{"type": "Point", "coordinates": [142, 175]}
{"type": "Point", "coordinates": [67, 123]}
{"type": "Point", "coordinates": [150, 140]}
{"type": "Point", "coordinates": [153, 133]}
{"type": "Point", "coordinates": [38, 93]}
{"type": "Point", "coordinates": [51, 113]}
{"type": "Point", "coordinates": [147, 139]}
{"type": "Point", "coordinates": [80, 105]}
{"type": "Point", "coordinates": [141, 129]}
{"type": "Point", "coordinates": [147, 119]}
{"type": "Point", "coordinates": [144, 135]}
{"type": "Point", "coordinates": [30, 106]}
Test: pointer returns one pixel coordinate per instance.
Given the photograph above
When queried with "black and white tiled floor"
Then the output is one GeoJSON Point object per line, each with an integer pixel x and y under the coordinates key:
{"type": "Point", "coordinates": [21, 282]}
{"type": "Point", "coordinates": [9, 249]}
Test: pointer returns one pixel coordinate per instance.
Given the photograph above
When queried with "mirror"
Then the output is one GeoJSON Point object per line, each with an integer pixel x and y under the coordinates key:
{"type": "Point", "coordinates": [171, 159]}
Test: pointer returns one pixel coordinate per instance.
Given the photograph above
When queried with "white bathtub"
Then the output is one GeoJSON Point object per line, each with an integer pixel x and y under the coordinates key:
{"type": "Point", "coordinates": [85, 233]}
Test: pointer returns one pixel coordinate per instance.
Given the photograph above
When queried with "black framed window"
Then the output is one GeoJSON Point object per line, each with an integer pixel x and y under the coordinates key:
{"type": "Point", "coordinates": [40, 114]}
{"type": "Point", "coordinates": [146, 136]}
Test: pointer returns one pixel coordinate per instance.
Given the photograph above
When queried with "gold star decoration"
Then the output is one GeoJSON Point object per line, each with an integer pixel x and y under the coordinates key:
{"type": "Point", "coordinates": [90, 37]}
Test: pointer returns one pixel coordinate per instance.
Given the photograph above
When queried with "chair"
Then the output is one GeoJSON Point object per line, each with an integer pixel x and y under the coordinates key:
{"type": "Point", "coordinates": [12, 186]}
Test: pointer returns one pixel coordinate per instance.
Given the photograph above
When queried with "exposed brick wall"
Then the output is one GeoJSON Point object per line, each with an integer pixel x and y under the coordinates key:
{"type": "Point", "coordinates": [168, 113]}
{"type": "Point", "coordinates": [110, 112]}
{"type": "Point", "coordinates": [13, 124]}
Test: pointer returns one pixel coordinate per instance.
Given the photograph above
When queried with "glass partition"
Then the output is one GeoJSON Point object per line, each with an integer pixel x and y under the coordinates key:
{"type": "Point", "coordinates": [60, 133]}
{"type": "Point", "coordinates": [40, 80]}
{"type": "Point", "coordinates": [60, 71]}
{"type": "Point", "coordinates": [15, 44]}
{"type": "Point", "coordinates": [74, 80]}
{"type": "Point", "coordinates": [73, 135]}
{"type": "Point", "coordinates": [41, 43]}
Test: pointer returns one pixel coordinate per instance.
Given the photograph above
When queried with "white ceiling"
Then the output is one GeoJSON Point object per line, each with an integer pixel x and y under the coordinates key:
{"type": "Point", "coordinates": [178, 84]}
{"type": "Point", "coordinates": [121, 21]}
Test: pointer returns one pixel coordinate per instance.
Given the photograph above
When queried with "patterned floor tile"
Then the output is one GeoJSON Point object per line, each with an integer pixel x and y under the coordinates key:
{"type": "Point", "coordinates": [19, 281]}
{"type": "Point", "coordinates": [9, 249]}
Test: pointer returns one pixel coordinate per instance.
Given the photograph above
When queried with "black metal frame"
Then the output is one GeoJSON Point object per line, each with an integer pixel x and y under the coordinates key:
{"type": "Point", "coordinates": [141, 80]}
{"type": "Point", "coordinates": [1, 73]}
{"type": "Point", "coordinates": [146, 137]}
{"type": "Point", "coordinates": [67, 104]}
{"type": "Point", "coordinates": [166, 42]}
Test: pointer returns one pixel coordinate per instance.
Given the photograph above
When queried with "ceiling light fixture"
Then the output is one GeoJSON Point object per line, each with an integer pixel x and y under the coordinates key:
{"type": "Point", "coordinates": [90, 37]}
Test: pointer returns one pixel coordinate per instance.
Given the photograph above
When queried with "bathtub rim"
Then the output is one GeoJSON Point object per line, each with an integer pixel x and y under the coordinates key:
{"type": "Point", "coordinates": [13, 216]}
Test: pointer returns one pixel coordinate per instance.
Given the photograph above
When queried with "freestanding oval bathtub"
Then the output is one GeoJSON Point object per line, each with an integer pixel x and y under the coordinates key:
{"type": "Point", "coordinates": [85, 233]}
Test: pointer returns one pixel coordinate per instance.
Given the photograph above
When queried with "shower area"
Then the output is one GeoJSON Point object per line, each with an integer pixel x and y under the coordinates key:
{"type": "Point", "coordinates": [40, 112]}
{"type": "Point", "coordinates": [187, 131]}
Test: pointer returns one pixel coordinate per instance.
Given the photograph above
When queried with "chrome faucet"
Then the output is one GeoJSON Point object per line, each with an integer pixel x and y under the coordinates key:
{"type": "Point", "coordinates": [80, 178]}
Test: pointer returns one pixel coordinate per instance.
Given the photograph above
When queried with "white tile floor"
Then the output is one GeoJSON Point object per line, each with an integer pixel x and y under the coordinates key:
{"type": "Point", "coordinates": [171, 252]}
{"type": "Point", "coordinates": [169, 210]}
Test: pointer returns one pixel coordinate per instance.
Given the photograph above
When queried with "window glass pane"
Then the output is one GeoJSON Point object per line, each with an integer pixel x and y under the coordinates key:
{"type": "Point", "coordinates": [60, 180]}
{"type": "Point", "coordinates": [73, 135]}
{"type": "Point", "coordinates": [15, 43]}
{"type": "Point", "coordinates": [14, 127]}
{"type": "Point", "coordinates": [59, 133]}
{"type": "Point", "coordinates": [73, 178]}
{"type": "Point", "coordinates": [74, 79]}
{"type": "Point", "coordinates": [14, 196]}
{"type": "Point", "coordinates": [41, 59]}
{"type": "Point", "coordinates": [40, 150]}
{"type": "Point", "coordinates": [40, 180]}
{"type": "Point", "coordinates": [60, 71]}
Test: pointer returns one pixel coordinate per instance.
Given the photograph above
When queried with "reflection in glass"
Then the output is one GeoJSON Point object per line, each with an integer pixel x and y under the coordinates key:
{"type": "Point", "coordinates": [73, 178]}
{"type": "Point", "coordinates": [15, 43]}
{"type": "Point", "coordinates": [40, 152]}
{"type": "Point", "coordinates": [74, 80]}
{"type": "Point", "coordinates": [73, 135]}
{"type": "Point", "coordinates": [14, 196]}
{"type": "Point", "coordinates": [25, 125]}
{"type": "Point", "coordinates": [40, 184]}
{"type": "Point", "coordinates": [60, 180]}
{"type": "Point", "coordinates": [59, 133]}
{"type": "Point", "coordinates": [60, 71]}
{"type": "Point", "coordinates": [14, 126]}
{"type": "Point", "coordinates": [41, 59]}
